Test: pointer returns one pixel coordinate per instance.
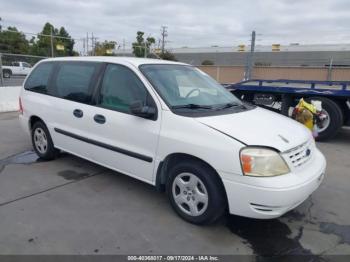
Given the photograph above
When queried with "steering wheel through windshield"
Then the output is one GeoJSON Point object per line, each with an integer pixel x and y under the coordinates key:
{"type": "Point", "coordinates": [192, 91]}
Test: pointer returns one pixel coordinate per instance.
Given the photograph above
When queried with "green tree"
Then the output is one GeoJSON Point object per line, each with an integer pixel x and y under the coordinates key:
{"type": "Point", "coordinates": [67, 42]}
{"type": "Point", "coordinates": [105, 48]}
{"type": "Point", "coordinates": [42, 44]}
{"type": "Point", "coordinates": [141, 46]}
{"type": "Point", "coordinates": [167, 55]}
{"type": "Point", "coordinates": [13, 41]}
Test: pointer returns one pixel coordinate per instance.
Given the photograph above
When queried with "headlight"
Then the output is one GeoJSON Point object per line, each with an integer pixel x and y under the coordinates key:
{"type": "Point", "coordinates": [262, 162]}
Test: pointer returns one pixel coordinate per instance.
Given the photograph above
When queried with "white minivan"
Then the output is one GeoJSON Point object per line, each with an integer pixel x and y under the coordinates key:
{"type": "Point", "coordinates": [171, 125]}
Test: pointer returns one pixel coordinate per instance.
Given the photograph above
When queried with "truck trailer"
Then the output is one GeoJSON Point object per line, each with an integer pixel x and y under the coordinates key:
{"type": "Point", "coordinates": [283, 95]}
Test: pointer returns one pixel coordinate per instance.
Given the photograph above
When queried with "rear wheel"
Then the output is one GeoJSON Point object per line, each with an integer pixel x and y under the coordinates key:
{"type": "Point", "coordinates": [42, 142]}
{"type": "Point", "coordinates": [331, 119]}
{"type": "Point", "coordinates": [6, 73]}
{"type": "Point", "coordinates": [196, 193]}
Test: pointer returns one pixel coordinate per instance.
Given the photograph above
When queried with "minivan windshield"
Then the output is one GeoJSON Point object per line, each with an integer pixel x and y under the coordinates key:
{"type": "Point", "coordinates": [186, 87]}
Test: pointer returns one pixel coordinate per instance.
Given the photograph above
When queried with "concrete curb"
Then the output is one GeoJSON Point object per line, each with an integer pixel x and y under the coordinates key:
{"type": "Point", "coordinates": [9, 98]}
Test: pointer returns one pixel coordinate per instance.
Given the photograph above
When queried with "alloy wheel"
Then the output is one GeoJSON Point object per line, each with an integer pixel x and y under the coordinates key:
{"type": "Point", "coordinates": [190, 194]}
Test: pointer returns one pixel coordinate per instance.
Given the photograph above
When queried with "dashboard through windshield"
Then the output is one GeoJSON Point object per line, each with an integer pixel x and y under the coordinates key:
{"type": "Point", "coordinates": [186, 88]}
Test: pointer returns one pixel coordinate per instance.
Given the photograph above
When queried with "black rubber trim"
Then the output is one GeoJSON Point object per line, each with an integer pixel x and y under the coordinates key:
{"type": "Point", "coordinates": [261, 209]}
{"type": "Point", "coordinates": [259, 205]}
{"type": "Point", "coordinates": [112, 148]}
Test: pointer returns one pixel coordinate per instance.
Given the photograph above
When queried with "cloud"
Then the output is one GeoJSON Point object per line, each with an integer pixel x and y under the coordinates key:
{"type": "Point", "coordinates": [190, 23]}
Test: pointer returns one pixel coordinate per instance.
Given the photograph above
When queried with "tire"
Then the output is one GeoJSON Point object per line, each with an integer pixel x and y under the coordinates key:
{"type": "Point", "coordinates": [42, 142]}
{"type": "Point", "coordinates": [201, 189]}
{"type": "Point", "coordinates": [6, 73]}
{"type": "Point", "coordinates": [286, 101]}
{"type": "Point", "coordinates": [335, 116]}
{"type": "Point", "coordinates": [345, 110]}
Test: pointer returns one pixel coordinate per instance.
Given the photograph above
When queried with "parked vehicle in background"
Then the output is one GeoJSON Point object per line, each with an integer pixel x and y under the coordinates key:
{"type": "Point", "coordinates": [173, 126]}
{"type": "Point", "coordinates": [282, 95]}
{"type": "Point", "coordinates": [16, 68]}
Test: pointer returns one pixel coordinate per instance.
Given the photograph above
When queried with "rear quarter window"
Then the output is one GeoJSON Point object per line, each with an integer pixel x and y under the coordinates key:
{"type": "Point", "coordinates": [39, 78]}
{"type": "Point", "coordinates": [74, 81]}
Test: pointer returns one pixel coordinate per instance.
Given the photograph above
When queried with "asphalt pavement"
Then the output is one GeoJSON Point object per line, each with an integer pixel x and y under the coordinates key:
{"type": "Point", "coordinates": [13, 81]}
{"type": "Point", "coordinates": [72, 206]}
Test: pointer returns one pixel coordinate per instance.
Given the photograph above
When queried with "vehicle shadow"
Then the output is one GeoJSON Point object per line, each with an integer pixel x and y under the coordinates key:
{"type": "Point", "coordinates": [343, 136]}
{"type": "Point", "coordinates": [266, 237]}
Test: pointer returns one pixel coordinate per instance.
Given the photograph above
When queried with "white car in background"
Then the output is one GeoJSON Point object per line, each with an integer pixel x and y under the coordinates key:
{"type": "Point", "coordinates": [16, 68]}
{"type": "Point", "coordinates": [172, 126]}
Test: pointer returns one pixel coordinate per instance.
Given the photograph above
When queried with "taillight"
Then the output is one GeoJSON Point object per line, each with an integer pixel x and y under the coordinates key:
{"type": "Point", "coordinates": [20, 106]}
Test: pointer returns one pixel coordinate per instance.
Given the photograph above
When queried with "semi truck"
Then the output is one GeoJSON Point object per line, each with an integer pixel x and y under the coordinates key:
{"type": "Point", "coordinates": [283, 95]}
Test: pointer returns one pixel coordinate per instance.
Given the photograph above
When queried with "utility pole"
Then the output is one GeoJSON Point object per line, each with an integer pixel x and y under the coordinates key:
{"type": "Point", "coordinates": [330, 68]}
{"type": "Point", "coordinates": [250, 60]}
{"type": "Point", "coordinates": [51, 42]}
{"type": "Point", "coordinates": [87, 44]}
{"type": "Point", "coordinates": [164, 34]}
{"type": "Point", "coordinates": [84, 46]}
{"type": "Point", "coordinates": [92, 44]}
{"type": "Point", "coordinates": [123, 46]}
{"type": "Point", "coordinates": [1, 76]}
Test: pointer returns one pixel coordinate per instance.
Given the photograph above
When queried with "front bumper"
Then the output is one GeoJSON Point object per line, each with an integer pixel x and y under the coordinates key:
{"type": "Point", "coordinates": [256, 201]}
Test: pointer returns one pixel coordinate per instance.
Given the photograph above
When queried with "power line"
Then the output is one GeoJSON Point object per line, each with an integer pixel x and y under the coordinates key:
{"type": "Point", "coordinates": [20, 55]}
{"type": "Point", "coordinates": [38, 34]}
{"type": "Point", "coordinates": [51, 38]}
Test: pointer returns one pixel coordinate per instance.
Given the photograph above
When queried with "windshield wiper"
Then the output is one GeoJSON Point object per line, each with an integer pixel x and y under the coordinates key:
{"type": "Point", "coordinates": [228, 105]}
{"type": "Point", "coordinates": [192, 106]}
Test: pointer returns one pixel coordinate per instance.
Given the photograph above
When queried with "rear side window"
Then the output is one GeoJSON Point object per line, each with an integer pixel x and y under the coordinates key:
{"type": "Point", "coordinates": [39, 78]}
{"type": "Point", "coordinates": [74, 81]}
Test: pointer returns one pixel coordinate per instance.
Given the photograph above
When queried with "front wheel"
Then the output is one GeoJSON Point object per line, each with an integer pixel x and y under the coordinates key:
{"type": "Point", "coordinates": [196, 193]}
{"type": "Point", "coordinates": [42, 142]}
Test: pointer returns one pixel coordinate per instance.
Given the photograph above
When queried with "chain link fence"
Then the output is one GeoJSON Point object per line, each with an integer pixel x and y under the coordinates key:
{"type": "Point", "coordinates": [15, 67]}
{"type": "Point", "coordinates": [225, 65]}
{"type": "Point", "coordinates": [318, 59]}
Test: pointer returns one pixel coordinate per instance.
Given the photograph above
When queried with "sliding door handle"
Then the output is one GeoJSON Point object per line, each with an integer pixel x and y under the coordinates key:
{"type": "Point", "coordinates": [99, 119]}
{"type": "Point", "coordinates": [78, 113]}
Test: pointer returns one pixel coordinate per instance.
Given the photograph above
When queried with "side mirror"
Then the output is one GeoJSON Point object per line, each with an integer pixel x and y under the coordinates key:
{"type": "Point", "coordinates": [138, 109]}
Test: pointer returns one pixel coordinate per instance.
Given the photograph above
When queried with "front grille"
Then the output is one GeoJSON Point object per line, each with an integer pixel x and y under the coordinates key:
{"type": "Point", "coordinates": [299, 155]}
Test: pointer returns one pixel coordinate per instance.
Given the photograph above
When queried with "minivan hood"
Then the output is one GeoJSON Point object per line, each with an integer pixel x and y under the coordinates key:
{"type": "Point", "coordinates": [260, 127]}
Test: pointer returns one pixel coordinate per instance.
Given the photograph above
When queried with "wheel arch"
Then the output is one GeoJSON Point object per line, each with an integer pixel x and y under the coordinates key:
{"type": "Point", "coordinates": [170, 160]}
{"type": "Point", "coordinates": [33, 119]}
